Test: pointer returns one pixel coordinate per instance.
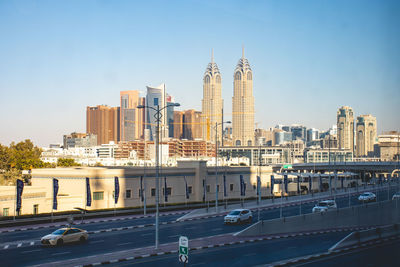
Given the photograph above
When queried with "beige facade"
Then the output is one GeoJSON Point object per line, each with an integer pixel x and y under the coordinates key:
{"type": "Point", "coordinates": [345, 128]}
{"type": "Point", "coordinates": [104, 122]}
{"type": "Point", "coordinates": [366, 136]}
{"type": "Point", "coordinates": [72, 192]}
{"type": "Point", "coordinates": [131, 123]}
{"type": "Point", "coordinates": [243, 104]}
{"type": "Point", "coordinates": [389, 146]}
{"type": "Point", "coordinates": [212, 103]}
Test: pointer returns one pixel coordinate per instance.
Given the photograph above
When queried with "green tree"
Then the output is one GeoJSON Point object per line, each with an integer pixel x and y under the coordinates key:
{"type": "Point", "coordinates": [4, 158]}
{"type": "Point", "coordinates": [25, 156]}
{"type": "Point", "coordinates": [64, 162]}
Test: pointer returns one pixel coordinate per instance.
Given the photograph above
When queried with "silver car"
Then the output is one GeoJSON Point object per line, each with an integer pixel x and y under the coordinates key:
{"type": "Point", "coordinates": [65, 235]}
{"type": "Point", "coordinates": [324, 206]}
{"type": "Point", "coordinates": [238, 216]}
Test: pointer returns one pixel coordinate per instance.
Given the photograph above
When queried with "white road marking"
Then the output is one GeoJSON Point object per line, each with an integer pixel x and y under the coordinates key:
{"type": "Point", "coordinates": [6, 246]}
{"type": "Point", "coordinates": [19, 245]}
{"type": "Point", "coordinates": [32, 243]}
{"type": "Point", "coordinates": [29, 251]}
{"type": "Point", "coordinates": [61, 253]}
{"type": "Point", "coordinates": [123, 244]}
{"type": "Point", "coordinates": [146, 234]}
{"type": "Point", "coordinates": [96, 241]}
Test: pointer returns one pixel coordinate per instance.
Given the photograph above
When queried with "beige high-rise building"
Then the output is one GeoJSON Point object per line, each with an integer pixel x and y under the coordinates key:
{"type": "Point", "coordinates": [212, 103]}
{"type": "Point", "coordinates": [131, 117]}
{"type": "Point", "coordinates": [243, 104]}
{"type": "Point", "coordinates": [104, 122]}
{"type": "Point", "coordinates": [365, 135]}
{"type": "Point", "coordinates": [345, 128]}
{"type": "Point", "coordinates": [192, 123]}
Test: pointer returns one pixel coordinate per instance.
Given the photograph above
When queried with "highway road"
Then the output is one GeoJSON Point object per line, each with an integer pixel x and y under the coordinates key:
{"type": "Point", "coordinates": [385, 255]}
{"type": "Point", "coordinates": [248, 254]}
{"type": "Point", "coordinates": [23, 247]}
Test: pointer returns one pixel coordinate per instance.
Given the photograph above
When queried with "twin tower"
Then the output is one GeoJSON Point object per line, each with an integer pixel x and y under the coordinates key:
{"type": "Point", "coordinates": [242, 104]}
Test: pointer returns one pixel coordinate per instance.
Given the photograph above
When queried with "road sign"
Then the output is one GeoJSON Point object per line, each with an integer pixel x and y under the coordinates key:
{"type": "Point", "coordinates": [287, 166]}
{"type": "Point", "coordinates": [184, 258]}
{"type": "Point", "coordinates": [183, 249]}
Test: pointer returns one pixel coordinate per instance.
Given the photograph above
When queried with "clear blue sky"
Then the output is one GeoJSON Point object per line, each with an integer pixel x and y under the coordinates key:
{"type": "Point", "coordinates": [308, 59]}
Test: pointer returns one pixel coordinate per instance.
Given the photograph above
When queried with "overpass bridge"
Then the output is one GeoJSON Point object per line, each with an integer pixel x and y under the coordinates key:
{"type": "Point", "coordinates": [363, 169]}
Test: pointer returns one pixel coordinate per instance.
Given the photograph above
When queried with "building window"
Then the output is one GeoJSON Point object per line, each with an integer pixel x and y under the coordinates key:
{"type": "Point", "coordinates": [231, 187]}
{"type": "Point", "coordinates": [128, 193]}
{"type": "Point", "coordinates": [189, 189]}
{"type": "Point", "coordinates": [35, 209]}
{"type": "Point", "coordinates": [99, 195]}
{"type": "Point", "coordinates": [169, 190]}
{"type": "Point", "coordinates": [238, 76]}
{"type": "Point", "coordinates": [6, 211]}
{"type": "Point", "coordinates": [153, 192]}
{"type": "Point", "coordinates": [217, 187]}
{"type": "Point", "coordinates": [155, 101]}
{"type": "Point", "coordinates": [208, 188]}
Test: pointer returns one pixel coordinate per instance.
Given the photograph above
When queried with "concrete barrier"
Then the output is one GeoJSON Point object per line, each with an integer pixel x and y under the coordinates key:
{"type": "Point", "coordinates": [373, 214]}
{"type": "Point", "coordinates": [360, 237]}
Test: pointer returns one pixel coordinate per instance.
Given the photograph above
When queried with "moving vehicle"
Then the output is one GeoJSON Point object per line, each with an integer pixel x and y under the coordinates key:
{"type": "Point", "coordinates": [65, 235]}
{"type": "Point", "coordinates": [238, 216]}
{"type": "Point", "coordinates": [367, 197]}
{"type": "Point", "coordinates": [396, 196]}
{"type": "Point", "coordinates": [324, 206]}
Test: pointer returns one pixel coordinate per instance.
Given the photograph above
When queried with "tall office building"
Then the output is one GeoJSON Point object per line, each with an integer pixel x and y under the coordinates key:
{"type": "Point", "coordinates": [170, 115]}
{"type": "Point", "coordinates": [212, 103]}
{"type": "Point", "coordinates": [104, 121]}
{"type": "Point", "coordinates": [192, 124]}
{"type": "Point", "coordinates": [131, 116]}
{"type": "Point", "coordinates": [243, 104]}
{"type": "Point", "coordinates": [156, 98]}
{"type": "Point", "coordinates": [187, 124]}
{"type": "Point", "coordinates": [365, 135]}
{"type": "Point", "coordinates": [345, 128]}
{"type": "Point", "coordinates": [178, 125]}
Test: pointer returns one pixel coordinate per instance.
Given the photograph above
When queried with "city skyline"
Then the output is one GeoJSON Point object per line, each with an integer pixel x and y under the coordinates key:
{"type": "Point", "coordinates": [308, 60]}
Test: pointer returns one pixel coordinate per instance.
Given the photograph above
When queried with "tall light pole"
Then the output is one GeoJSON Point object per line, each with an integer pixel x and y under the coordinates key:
{"type": "Point", "coordinates": [216, 162]}
{"type": "Point", "coordinates": [158, 117]}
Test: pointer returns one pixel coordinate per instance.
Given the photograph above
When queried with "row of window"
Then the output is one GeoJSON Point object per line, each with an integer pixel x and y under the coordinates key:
{"type": "Point", "coordinates": [6, 211]}
{"type": "Point", "coordinates": [128, 193]}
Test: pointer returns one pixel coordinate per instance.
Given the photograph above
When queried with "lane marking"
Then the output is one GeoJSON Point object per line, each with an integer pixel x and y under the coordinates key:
{"type": "Point", "coordinates": [19, 245]}
{"type": "Point", "coordinates": [96, 241]}
{"type": "Point", "coordinates": [146, 234]}
{"type": "Point", "coordinates": [61, 253]}
{"type": "Point", "coordinates": [29, 251]}
{"type": "Point", "coordinates": [6, 246]}
{"type": "Point", "coordinates": [123, 244]}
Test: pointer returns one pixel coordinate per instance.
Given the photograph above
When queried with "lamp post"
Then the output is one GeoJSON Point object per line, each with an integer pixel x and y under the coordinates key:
{"type": "Point", "coordinates": [216, 162]}
{"type": "Point", "coordinates": [158, 117]}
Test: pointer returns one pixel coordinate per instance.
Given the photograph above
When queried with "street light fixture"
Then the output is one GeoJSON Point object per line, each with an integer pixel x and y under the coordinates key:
{"type": "Point", "coordinates": [216, 162]}
{"type": "Point", "coordinates": [158, 117]}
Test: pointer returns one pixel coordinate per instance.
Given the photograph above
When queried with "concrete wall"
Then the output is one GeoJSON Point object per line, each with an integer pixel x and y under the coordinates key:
{"type": "Point", "coordinates": [381, 213]}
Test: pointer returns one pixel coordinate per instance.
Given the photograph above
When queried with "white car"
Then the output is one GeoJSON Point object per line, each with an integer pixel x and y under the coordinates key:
{"type": "Point", "coordinates": [396, 196]}
{"type": "Point", "coordinates": [238, 216]}
{"type": "Point", "coordinates": [367, 197]}
{"type": "Point", "coordinates": [324, 206]}
{"type": "Point", "coordinates": [65, 235]}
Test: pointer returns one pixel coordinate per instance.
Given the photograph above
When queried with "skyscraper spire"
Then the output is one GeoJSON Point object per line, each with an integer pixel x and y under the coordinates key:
{"type": "Point", "coordinates": [212, 55]}
{"type": "Point", "coordinates": [243, 51]}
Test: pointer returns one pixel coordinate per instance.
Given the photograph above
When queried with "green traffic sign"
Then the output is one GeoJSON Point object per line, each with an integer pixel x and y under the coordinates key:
{"type": "Point", "coordinates": [287, 166]}
{"type": "Point", "coordinates": [183, 250]}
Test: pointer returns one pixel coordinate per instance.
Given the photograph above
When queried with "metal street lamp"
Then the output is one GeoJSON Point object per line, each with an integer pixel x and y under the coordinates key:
{"type": "Point", "coordinates": [216, 162]}
{"type": "Point", "coordinates": [158, 117]}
